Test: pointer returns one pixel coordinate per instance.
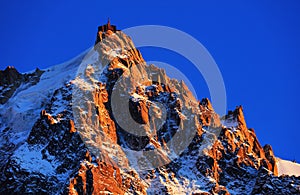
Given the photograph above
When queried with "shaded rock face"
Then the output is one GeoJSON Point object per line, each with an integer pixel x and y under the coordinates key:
{"type": "Point", "coordinates": [11, 79]}
{"type": "Point", "coordinates": [60, 155]}
{"type": "Point", "coordinates": [266, 183]}
{"type": "Point", "coordinates": [9, 76]}
{"type": "Point", "coordinates": [50, 151]}
{"type": "Point", "coordinates": [9, 82]}
{"type": "Point", "coordinates": [139, 111]}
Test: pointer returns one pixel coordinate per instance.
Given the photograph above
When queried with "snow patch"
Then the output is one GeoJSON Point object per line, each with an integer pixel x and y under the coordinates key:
{"type": "Point", "coordinates": [229, 123]}
{"type": "Point", "coordinates": [286, 167]}
{"type": "Point", "coordinates": [31, 160]}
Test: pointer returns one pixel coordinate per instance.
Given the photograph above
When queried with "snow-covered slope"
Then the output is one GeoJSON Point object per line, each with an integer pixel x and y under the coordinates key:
{"type": "Point", "coordinates": [286, 167]}
{"type": "Point", "coordinates": [23, 108]}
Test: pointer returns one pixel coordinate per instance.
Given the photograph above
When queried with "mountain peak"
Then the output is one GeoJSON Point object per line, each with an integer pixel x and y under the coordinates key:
{"type": "Point", "coordinates": [121, 126]}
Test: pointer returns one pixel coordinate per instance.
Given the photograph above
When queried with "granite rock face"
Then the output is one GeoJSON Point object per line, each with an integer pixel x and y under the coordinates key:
{"type": "Point", "coordinates": [153, 116]}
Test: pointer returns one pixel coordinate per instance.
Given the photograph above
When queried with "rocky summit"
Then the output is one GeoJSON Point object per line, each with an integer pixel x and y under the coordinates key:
{"type": "Point", "coordinates": [106, 122]}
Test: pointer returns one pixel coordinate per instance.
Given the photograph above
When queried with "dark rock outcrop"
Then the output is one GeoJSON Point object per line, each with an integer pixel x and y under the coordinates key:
{"type": "Point", "coordinates": [11, 79]}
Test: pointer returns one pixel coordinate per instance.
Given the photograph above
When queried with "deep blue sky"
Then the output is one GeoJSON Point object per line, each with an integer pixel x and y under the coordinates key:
{"type": "Point", "coordinates": [255, 44]}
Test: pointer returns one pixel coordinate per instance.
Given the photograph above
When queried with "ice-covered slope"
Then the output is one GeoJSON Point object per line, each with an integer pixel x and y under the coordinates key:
{"type": "Point", "coordinates": [286, 167]}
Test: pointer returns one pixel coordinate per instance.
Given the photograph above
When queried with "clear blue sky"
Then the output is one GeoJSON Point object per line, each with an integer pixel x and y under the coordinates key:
{"type": "Point", "coordinates": [255, 44]}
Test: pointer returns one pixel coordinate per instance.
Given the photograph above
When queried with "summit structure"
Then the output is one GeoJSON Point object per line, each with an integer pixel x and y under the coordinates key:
{"type": "Point", "coordinates": [107, 27]}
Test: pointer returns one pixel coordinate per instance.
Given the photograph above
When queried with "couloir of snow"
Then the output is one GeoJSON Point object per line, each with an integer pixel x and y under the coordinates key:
{"type": "Point", "coordinates": [286, 167]}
